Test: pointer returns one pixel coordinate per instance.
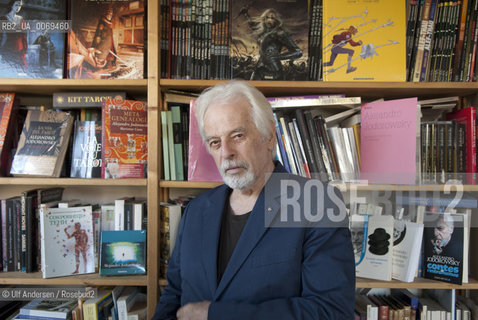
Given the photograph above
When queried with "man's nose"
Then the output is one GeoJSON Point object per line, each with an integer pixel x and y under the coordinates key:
{"type": "Point", "coordinates": [227, 150]}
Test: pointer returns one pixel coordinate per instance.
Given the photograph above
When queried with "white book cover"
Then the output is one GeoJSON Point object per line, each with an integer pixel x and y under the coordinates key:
{"type": "Point", "coordinates": [67, 241]}
{"type": "Point", "coordinates": [107, 217]}
{"type": "Point", "coordinates": [407, 241]}
{"type": "Point", "coordinates": [372, 240]}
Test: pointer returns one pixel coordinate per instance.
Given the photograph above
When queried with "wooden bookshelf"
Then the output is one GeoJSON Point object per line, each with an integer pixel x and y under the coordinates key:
{"type": "Point", "coordinates": [419, 283]}
{"type": "Point", "coordinates": [21, 278]}
{"type": "Point", "coordinates": [74, 182]}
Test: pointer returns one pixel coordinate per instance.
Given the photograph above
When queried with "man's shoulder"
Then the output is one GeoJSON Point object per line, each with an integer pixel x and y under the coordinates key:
{"type": "Point", "coordinates": [209, 194]}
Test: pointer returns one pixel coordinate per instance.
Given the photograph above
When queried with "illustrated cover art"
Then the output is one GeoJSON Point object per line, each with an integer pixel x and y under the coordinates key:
{"type": "Point", "coordinates": [67, 241]}
{"type": "Point", "coordinates": [123, 252]}
{"type": "Point", "coordinates": [32, 38]}
{"type": "Point", "coordinates": [107, 40]}
{"type": "Point", "coordinates": [43, 144]}
{"type": "Point", "coordinates": [443, 241]}
{"type": "Point", "coordinates": [124, 138]}
{"type": "Point", "coordinates": [362, 38]}
{"type": "Point", "coordinates": [269, 39]}
{"type": "Point", "coordinates": [86, 156]}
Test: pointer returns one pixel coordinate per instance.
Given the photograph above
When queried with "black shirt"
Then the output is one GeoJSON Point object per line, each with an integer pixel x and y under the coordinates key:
{"type": "Point", "coordinates": [231, 229]}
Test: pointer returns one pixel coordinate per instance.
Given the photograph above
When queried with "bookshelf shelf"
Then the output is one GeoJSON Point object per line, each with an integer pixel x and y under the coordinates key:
{"type": "Point", "coordinates": [342, 186]}
{"type": "Point", "coordinates": [21, 278]}
{"type": "Point", "coordinates": [73, 182]}
{"type": "Point", "coordinates": [419, 283]}
{"type": "Point", "coordinates": [367, 90]}
{"type": "Point", "coordinates": [49, 86]}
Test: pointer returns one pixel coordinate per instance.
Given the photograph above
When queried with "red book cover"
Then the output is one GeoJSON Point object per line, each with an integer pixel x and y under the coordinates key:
{"type": "Point", "coordinates": [125, 139]}
{"type": "Point", "coordinates": [6, 119]}
{"type": "Point", "coordinates": [467, 116]}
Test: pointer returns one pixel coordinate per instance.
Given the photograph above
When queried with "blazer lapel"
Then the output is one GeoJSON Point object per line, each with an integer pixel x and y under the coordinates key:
{"type": "Point", "coordinates": [254, 230]}
{"type": "Point", "coordinates": [211, 228]}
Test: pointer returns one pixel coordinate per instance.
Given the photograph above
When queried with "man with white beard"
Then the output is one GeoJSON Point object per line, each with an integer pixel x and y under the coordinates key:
{"type": "Point", "coordinates": [236, 255]}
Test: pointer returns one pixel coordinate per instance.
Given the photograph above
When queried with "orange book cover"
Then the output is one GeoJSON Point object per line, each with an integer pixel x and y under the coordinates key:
{"type": "Point", "coordinates": [125, 139]}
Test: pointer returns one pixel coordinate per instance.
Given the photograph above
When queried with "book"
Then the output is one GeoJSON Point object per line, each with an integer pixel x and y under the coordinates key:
{"type": "Point", "coordinates": [8, 132]}
{"type": "Point", "coordinates": [388, 141]}
{"type": "Point", "coordinates": [314, 101]}
{"type": "Point", "coordinates": [170, 218]}
{"type": "Point", "coordinates": [43, 144]}
{"type": "Point", "coordinates": [77, 100]}
{"type": "Point", "coordinates": [54, 309]}
{"type": "Point", "coordinates": [33, 40]}
{"type": "Point", "coordinates": [126, 301]}
{"type": "Point", "coordinates": [107, 40]}
{"type": "Point", "coordinates": [407, 240]}
{"type": "Point", "coordinates": [67, 241]}
{"type": "Point", "coordinates": [95, 308]}
{"type": "Point", "coordinates": [123, 252]}
{"type": "Point", "coordinates": [201, 165]}
{"type": "Point", "coordinates": [86, 154]}
{"type": "Point", "coordinates": [124, 139]}
{"type": "Point", "coordinates": [254, 53]}
{"type": "Point", "coordinates": [359, 39]}
{"type": "Point", "coordinates": [460, 200]}
{"type": "Point", "coordinates": [373, 242]}
{"type": "Point", "coordinates": [467, 116]}
{"type": "Point", "coordinates": [443, 241]}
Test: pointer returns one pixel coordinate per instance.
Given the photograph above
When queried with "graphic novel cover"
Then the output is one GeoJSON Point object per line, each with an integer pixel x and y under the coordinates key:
{"type": "Point", "coordinates": [107, 40]}
{"type": "Point", "coordinates": [32, 38]}
{"type": "Point", "coordinates": [361, 38]}
{"type": "Point", "coordinates": [269, 39]}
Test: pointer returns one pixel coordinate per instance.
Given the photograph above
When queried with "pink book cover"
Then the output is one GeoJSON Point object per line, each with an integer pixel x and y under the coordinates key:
{"type": "Point", "coordinates": [388, 141]}
{"type": "Point", "coordinates": [201, 165]}
{"type": "Point", "coordinates": [468, 117]}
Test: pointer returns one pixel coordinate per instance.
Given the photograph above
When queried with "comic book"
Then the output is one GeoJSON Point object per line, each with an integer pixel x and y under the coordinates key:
{"type": "Point", "coordinates": [67, 241]}
{"type": "Point", "coordinates": [269, 39]}
{"type": "Point", "coordinates": [361, 38]}
{"type": "Point", "coordinates": [32, 39]}
{"type": "Point", "coordinates": [124, 139]}
{"type": "Point", "coordinates": [107, 40]}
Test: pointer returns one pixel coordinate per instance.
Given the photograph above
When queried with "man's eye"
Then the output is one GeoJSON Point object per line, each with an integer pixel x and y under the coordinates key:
{"type": "Point", "coordinates": [213, 144]}
{"type": "Point", "coordinates": [239, 135]}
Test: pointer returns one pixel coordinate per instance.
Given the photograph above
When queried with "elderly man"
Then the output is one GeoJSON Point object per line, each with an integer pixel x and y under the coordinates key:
{"type": "Point", "coordinates": [252, 248]}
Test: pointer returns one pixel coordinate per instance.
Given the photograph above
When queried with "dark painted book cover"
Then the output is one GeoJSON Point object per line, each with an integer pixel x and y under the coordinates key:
{"type": "Point", "coordinates": [32, 39]}
{"type": "Point", "coordinates": [107, 40]}
{"type": "Point", "coordinates": [43, 143]}
{"type": "Point", "coordinates": [269, 39]}
{"type": "Point", "coordinates": [86, 156]}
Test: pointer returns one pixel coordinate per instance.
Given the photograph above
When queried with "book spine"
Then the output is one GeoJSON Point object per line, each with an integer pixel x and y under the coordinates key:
{"type": "Point", "coordinates": [288, 146]}
{"type": "Point", "coordinates": [306, 142]}
{"type": "Point", "coordinates": [459, 43]}
{"type": "Point", "coordinates": [322, 170]}
{"type": "Point", "coordinates": [281, 142]}
{"type": "Point", "coordinates": [421, 41]}
{"type": "Point", "coordinates": [428, 41]}
{"type": "Point", "coordinates": [165, 158]}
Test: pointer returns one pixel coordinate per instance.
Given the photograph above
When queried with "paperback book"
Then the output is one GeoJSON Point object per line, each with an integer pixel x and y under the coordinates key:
{"type": "Point", "coordinates": [360, 38]}
{"type": "Point", "coordinates": [123, 252]}
{"type": "Point", "coordinates": [269, 40]}
{"type": "Point", "coordinates": [29, 49]}
{"type": "Point", "coordinates": [124, 139]}
{"type": "Point", "coordinates": [443, 242]}
{"type": "Point", "coordinates": [51, 309]}
{"type": "Point", "coordinates": [372, 241]}
{"type": "Point", "coordinates": [43, 144]}
{"type": "Point", "coordinates": [67, 241]}
{"type": "Point", "coordinates": [86, 155]}
{"type": "Point", "coordinates": [107, 40]}
{"type": "Point", "coordinates": [8, 134]}
{"type": "Point", "coordinates": [407, 241]}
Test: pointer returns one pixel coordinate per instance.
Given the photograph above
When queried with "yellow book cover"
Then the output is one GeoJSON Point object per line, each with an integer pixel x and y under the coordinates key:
{"type": "Point", "coordinates": [364, 40]}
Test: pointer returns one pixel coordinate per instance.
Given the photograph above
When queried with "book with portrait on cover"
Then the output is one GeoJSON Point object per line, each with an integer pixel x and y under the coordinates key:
{"type": "Point", "coordinates": [43, 144]}
{"type": "Point", "coordinates": [124, 139]}
{"type": "Point", "coordinates": [269, 39]}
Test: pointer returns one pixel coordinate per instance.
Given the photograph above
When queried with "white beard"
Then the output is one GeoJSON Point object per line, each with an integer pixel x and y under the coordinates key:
{"type": "Point", "coordinates": [236, 181]}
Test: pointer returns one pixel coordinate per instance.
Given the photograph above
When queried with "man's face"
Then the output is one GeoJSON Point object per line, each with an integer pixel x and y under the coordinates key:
{"type": "Point", "coordinates": [239, 150]}
{"type": "Point", "coordinates": [270, 20]}
{"type": "Point", "coordinates": [442, 230]}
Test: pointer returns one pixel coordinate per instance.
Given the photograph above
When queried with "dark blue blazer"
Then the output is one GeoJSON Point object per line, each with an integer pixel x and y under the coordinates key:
{"type": "Point", "coordinates": [275, 273]}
